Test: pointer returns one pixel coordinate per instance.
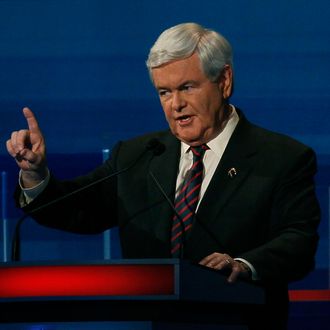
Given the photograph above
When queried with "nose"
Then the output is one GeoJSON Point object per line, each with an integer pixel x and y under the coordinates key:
{"type": "Point", "coordinates": [178, 101]}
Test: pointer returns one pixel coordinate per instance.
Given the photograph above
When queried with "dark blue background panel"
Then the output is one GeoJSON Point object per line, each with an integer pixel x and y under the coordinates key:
{"type": "Point", "coordinates": [69, 60]}
{"type": "Point", "coordinates": [80, 65]}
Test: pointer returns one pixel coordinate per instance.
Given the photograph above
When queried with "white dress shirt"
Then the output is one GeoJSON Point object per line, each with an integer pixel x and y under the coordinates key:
{"type": "Point", "coordinates": [212, 156]}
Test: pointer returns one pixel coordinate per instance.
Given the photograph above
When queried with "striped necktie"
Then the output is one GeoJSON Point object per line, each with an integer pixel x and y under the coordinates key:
{"type": "Point", "coordinates": [187, 200]}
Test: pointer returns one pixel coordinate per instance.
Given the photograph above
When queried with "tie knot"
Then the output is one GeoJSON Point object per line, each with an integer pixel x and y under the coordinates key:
{"type": "Point", "coordinates": [198, 151]}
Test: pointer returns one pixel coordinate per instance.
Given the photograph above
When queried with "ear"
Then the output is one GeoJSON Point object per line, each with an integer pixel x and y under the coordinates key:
{"type": "Point", "coordinates": [226, 81]}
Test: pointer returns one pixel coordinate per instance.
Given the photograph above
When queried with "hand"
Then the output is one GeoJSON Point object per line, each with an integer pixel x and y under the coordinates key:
{"type": "Point", "coordinates": [27, 147]}
{"type": "Point", "coordinates": [224, 261]}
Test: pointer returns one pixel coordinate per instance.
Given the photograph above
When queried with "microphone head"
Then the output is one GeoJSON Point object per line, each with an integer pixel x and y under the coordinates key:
{"type": "Point", "coordinates": [155, 146]}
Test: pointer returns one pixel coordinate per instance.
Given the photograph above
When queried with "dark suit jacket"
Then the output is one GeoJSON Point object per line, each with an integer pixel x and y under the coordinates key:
{"type": "Point", "coordinates": [268, 213]}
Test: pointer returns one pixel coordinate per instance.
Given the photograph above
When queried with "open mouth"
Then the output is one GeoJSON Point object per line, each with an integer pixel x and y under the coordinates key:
{"type": "Point", "coordinates": [183, 119]}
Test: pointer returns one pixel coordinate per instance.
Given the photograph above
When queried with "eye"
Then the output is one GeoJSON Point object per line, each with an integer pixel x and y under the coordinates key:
{"type": "Point", "coordinates": [187, 87]}
{"type": "Point", "coordinates": [163, 92]}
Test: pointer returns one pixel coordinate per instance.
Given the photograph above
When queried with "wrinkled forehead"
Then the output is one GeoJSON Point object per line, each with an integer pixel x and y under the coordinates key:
{"type": "Point", "coordinates": [180, 70]}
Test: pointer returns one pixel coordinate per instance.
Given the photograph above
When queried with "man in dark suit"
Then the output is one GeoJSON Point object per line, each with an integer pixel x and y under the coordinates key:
{"type": "Point", "coordinates": [256, 213]}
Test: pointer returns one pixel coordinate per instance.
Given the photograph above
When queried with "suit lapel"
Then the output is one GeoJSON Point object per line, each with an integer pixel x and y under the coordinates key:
{"type": "Point", "coordinates": [234, 167]}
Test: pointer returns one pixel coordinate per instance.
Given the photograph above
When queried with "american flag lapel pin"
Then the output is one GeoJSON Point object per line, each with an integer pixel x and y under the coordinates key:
{"type": "Point", "coordinates": [232, 172]}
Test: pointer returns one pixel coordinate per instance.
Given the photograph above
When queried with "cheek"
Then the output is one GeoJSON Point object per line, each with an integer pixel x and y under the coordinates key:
{"type": "Point", "coordinates": [206, 115]}
{"type": "Point", "coordinates": [210, 111]}
{"type": "Point", "coordinates": [167, 111]}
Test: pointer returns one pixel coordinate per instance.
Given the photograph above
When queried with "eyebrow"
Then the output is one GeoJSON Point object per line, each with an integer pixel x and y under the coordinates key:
{"type": "Point", "coordinates": [187, 82]}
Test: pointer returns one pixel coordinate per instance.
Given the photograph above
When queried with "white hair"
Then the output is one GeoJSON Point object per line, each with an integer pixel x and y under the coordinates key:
{"type": "Point", "coordinates": [183, 40]}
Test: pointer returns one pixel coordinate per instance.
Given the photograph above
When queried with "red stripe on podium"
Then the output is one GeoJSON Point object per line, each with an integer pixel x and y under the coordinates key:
{"type": "Point", "coordinates": [86, 280]}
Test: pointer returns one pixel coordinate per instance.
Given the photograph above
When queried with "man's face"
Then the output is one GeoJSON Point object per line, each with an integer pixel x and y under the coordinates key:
{"type": "Point", "coordinates": [193, 105]}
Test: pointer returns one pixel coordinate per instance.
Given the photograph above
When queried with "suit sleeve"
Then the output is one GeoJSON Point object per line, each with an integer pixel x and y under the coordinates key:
{"type": "Point", "coordinates": [289, 253]}
{"type": "Point", "coordinates": [88, 211]}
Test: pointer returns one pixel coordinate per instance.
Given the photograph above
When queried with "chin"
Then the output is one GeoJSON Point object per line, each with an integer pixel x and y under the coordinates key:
{"type": "Point", "coordinates": [191, 141]}
{"type": "Point", "coordinates": [190, 138]}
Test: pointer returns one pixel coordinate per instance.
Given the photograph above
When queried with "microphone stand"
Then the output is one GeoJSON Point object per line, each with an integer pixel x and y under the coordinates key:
{"type": "Point", "coordinates": [153, 145]}
{"type": "Point", "coordinates": [201, 223]}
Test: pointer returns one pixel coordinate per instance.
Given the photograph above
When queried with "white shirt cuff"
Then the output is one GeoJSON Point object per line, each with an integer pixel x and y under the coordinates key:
{"type": "Point", "coordinates": [254, 274]}
{"type": "Point", "coordinates": [31, 193]}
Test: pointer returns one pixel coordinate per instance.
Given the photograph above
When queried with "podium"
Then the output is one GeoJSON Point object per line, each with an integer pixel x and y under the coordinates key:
{"type": "Point", "coordinates": [169, 293]}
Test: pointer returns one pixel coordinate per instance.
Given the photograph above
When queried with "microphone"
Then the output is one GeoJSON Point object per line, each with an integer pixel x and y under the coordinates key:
{"type": "Point", "coordinates": [170, 203]}
{"type": "Point", "coordinates": [153, 145]}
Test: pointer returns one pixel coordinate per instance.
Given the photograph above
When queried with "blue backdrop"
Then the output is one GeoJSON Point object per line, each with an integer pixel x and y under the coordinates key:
{"type": "Point", "coordinates": [80, 65]}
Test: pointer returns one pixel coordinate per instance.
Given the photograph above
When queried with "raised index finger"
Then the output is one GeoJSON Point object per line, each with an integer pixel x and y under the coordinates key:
{"type": "Point", "coordinates": [31, 120]}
